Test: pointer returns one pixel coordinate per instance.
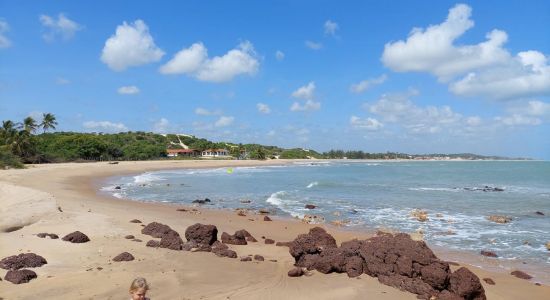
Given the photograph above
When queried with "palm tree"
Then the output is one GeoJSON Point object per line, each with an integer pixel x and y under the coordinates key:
{"type": "Point", "coordinates": [29, 125]}
{"type": "Point", "coordinates": [8, 131]}
{"type": "Point", "coordinates": [48, 121]}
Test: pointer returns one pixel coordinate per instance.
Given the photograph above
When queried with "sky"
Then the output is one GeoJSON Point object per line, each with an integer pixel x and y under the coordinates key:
{"type": "Point", "coordinates": [405, 76]}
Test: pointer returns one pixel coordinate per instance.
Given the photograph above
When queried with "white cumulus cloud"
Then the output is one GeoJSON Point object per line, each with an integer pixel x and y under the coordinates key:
{"type": "Point", "coordinates": [62, 26]}
{"type": "Point", "coordinates": [105, 126]}
{"type": "Point", "coordinates": [305, 92]}
{"type": "Point", "coordinates": [485, 69]}
{"type": "Point", "coordinates": [131, 45]}
{"type": "Point", "coordinates": [368, 83]}
{"type": "Point", "coordinates": [4, 41]}
{"type": "Point", "coordinates": [194, 61]}
{"type": "Point", "coordinates": [309, 105]}
{"type": "Point", "coordinates": [224, 121]}
{"type": "Point", "coordinates": [263, 108]}
{"type": "Point", "coordinates": [205, 112]}
{"type": "Point", "coordinates": [313, 45]}
{"type": "Point", "coordinates": [367, 123]}
{"type": "Point", "coordinates": [128, 90]}
{"type": "Point", "coordinates": [331, 27]}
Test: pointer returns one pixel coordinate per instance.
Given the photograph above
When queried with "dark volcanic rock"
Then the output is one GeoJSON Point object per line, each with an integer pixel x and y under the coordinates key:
{"type": "Point", "coordinates": [283, 244]}
{"type": "Point", "coordinates": [124, 256]}
{"type": "Point", "coordinates": [310, 206]}
{"type": "Point", "coordinates": [202, 234]}
{"type": "Point", "coordinates": [76, 237]}
{"type": "Point", "coordinates": [521, 274]}
{"type": "Point", "coordinates": [155, 229]}
{"type": "Point", "coordinates": [222, 250]}
{"type": "Point", "coordinates": [239, 238]}
{"type": "Point", "coordinates": [258, 257]}
{"type": "Point", "coordinates": [171, 240]}
{"type": "Point", "coordinates": [246, 258]}
{"type": "Point", "coordinates": [135, 221]}
{"type": "Point", "coordinates": [201, 201]}
{"type": "Point", "coordinates": [23, 260]}
{"type": "Point", "coordinates": [488, 253]}
{"type": "Point", "coordinates": [296, 272]}
{"type": "Point", "coordinates": [153, 243]}
{"type": "Point", "coordinates": [311, 243]}
{"type": "Point", "coordinates": [413, 285]}
{"type": "Point", "coordinates": [269, 241]}
{"type": "Point", "coordinates": [466, 284]}
{"type": "Point", "coordinates": [489, 281]}
{"type": "Point", "coordinates": [129, 237]}
{"type": "Point", "coordinates": [396, 260]}
{"type": "Point", "coordinates": [20, 276]}
{"type": "Point", "coordinates": [354, 266]}
{"type": "Point", "coordinates": [52, 236]}
{"type": "Point", "coordinates": [266, 218]}
{"type": "Point", "coordinates": [540, 213]}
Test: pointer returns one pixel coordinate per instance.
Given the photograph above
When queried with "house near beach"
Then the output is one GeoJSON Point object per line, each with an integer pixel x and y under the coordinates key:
{"type": "Point", "coordinates": [209, 153]}
{"type": "Point", "coordinates": [182, 152]}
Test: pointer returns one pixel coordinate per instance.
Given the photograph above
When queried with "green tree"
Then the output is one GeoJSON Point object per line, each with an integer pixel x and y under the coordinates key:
{"type": "Point", "coordinates": [29, 125]}
{"type": "Point", "coordinates": [48, 121]}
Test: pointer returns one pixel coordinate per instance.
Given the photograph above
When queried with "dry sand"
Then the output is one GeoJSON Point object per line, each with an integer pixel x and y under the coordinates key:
{"type": "Point", "coordinates": [31, 197]}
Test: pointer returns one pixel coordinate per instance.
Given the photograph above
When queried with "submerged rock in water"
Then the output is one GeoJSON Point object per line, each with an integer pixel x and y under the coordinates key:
{"type": "Point", "coordinates": [310, 206]}
{"type": "Point", "coordinates": [500, 219]}
{"type": "Point", "coordinates": [201, 201]}
{"type": "Point", "coordinates": [313, 219]}
{"type": "Point", "coordinates": [420, 215]}
{"type": "Point", "coordinates": [488, 253]}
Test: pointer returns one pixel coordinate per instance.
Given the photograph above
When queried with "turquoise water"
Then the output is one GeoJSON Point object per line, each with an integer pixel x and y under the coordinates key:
{"type": "Point", "coordinates": [381, 195]}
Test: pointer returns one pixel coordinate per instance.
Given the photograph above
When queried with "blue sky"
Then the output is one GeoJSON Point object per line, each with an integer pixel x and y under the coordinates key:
{"type": "Point", "coordinates": [408, 76]}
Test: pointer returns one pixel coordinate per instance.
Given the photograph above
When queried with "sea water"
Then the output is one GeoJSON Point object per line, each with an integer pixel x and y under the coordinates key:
{"type": "Point", "coordinates": [381, 195]}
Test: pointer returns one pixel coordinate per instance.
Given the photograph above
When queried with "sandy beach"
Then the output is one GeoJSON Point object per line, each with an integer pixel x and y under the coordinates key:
{"type": "Point", "coordinates": [62, 198]}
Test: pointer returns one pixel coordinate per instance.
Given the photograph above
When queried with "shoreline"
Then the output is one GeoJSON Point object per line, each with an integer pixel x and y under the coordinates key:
{"type": "Point", "coordinates": [105, 220]}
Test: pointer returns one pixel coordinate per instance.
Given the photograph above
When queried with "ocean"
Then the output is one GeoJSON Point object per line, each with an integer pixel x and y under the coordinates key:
{"type": "Point", "coordinates": [457, 196]}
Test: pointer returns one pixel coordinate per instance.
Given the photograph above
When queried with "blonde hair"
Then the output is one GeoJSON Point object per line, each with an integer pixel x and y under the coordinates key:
{"type": "Point", "coordinates": [139, 283]}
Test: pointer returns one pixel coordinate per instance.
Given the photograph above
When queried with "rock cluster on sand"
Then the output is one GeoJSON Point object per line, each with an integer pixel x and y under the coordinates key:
{"type": "Point", "coordinates": [124, 256]}
{"type": "Point", "coordinates": [16, 263]}
{"type": "Point", "coordinates": [76, 237]}
{"type": "Point", "coordinates": [20, 276]}
{"type": "Point", "coordinates": [52, 236]}
{"type": "Point", "coordinates": [396, 260]}
{"type": "Point", "coordinates": [23, 260]}
{"type": "Point", "coordinates": [239, 238]}
{"type": "Point", "coordinates": [222, 250]}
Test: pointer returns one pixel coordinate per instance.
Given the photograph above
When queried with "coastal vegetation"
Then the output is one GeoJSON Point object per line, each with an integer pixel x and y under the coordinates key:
{"type": "Point", "coordinates": [31, 141]}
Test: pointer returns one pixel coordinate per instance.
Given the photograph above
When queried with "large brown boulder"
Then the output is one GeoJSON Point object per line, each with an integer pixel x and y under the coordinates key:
{"type": "Point", "coordinates": [124, 256]}
{"type": "Point", "coordinates": [202, 234]}
{"type": "Point", "coordinates": [311, 243]}
{"type": "Point", "coordinates": [23, 260]}
{"type": "Point", "coordinates": [20, 276]}
{"type": "Point", "coordinates": [155, 229]}
{"type": "Point", "coordinates": [76, 237]}
{"type": "Point", "coordinates": [397, 260]}
{"type": "Point", "coordinates": [222, 250]}
{"type": "Point", "coordinates": [239, 238]}
{"type": "Point", "coordinates": [466, 284]}
{"type": "Point", "coordinates": [171, 240]}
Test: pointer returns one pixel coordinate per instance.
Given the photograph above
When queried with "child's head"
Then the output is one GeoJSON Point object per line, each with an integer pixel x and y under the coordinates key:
{"type": "Point", "coordinates": [139, 288]}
